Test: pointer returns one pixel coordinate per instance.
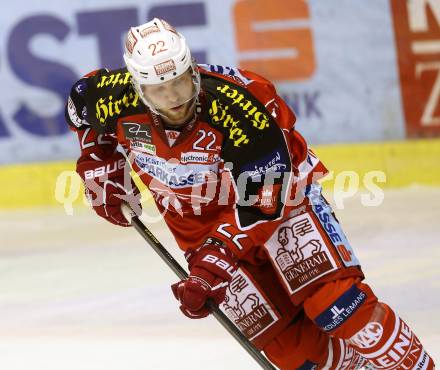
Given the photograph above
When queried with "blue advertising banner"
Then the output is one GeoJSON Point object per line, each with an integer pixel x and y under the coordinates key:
{"type": "Point", "coordinates": [333, 62]}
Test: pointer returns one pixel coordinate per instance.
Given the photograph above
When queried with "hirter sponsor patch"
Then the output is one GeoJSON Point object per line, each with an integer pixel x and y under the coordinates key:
{"type": "Point", "coordinates": [341, 309]}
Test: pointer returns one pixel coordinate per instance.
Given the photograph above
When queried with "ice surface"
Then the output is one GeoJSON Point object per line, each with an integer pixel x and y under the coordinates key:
{"type": "Point", "coordinates": [78, 293]}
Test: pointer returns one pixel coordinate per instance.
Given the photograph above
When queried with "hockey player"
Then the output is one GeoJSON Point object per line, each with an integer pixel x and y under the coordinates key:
{"type": "Point", "coordinates": [236, 184]}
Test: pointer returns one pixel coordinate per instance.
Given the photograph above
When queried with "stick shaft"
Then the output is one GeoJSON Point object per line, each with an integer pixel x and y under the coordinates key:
{"type": "Point", "coordinates": [182, 274]}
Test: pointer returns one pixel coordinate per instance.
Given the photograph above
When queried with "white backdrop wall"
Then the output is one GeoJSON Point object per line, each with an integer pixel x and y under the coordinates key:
{"type": "Point", "coordinates": [349, 92]}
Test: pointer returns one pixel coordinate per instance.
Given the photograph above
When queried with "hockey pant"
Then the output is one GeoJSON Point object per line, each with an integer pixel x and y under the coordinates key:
{"type": "Point", "coordinates": [329, 335]}
{"type": "Point", "coordinates": [306, 307]}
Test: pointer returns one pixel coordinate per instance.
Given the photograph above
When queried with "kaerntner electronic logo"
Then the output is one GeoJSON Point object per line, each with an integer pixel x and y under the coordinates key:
{"type": "Point", "coordinates": [417, 33]}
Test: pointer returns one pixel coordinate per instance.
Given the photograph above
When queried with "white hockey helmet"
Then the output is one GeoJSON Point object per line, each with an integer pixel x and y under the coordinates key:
{"type": "Point", "coordinates": [155, 53]}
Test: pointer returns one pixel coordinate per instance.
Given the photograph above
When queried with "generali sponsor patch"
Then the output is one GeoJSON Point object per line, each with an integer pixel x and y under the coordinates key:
{"type": "Point", "coordinates": [299, 253]}
{"type": "Point", "coordinates": [246, 306]}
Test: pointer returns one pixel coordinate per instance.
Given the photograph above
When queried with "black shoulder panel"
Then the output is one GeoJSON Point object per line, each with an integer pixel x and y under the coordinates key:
{"type": "Point", "coordinates": [254, 144]}
{"type": "Point", "coordinates": [109, 96]}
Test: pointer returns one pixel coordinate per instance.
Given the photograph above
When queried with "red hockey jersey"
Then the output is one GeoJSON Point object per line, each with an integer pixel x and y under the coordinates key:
{"type": "Point", "coordinates": [232, 173]}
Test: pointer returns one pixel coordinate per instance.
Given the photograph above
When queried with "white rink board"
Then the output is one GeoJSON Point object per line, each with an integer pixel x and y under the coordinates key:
{"type": "Point", "coordinates": [78, 293]}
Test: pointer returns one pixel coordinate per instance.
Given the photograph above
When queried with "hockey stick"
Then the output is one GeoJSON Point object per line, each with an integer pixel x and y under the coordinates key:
{"type": "Point", "coordinates": [182, 274]}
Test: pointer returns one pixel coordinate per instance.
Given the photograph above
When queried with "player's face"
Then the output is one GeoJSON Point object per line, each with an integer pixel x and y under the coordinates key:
{"type": "Point", "coordinates": [173, 99]}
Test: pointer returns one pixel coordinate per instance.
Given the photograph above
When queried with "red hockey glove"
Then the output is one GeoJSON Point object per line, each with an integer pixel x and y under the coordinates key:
{"type": "Point", "coordinates": [107, 187]}
{"type": "Point", "coordinates": [211, 269]}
